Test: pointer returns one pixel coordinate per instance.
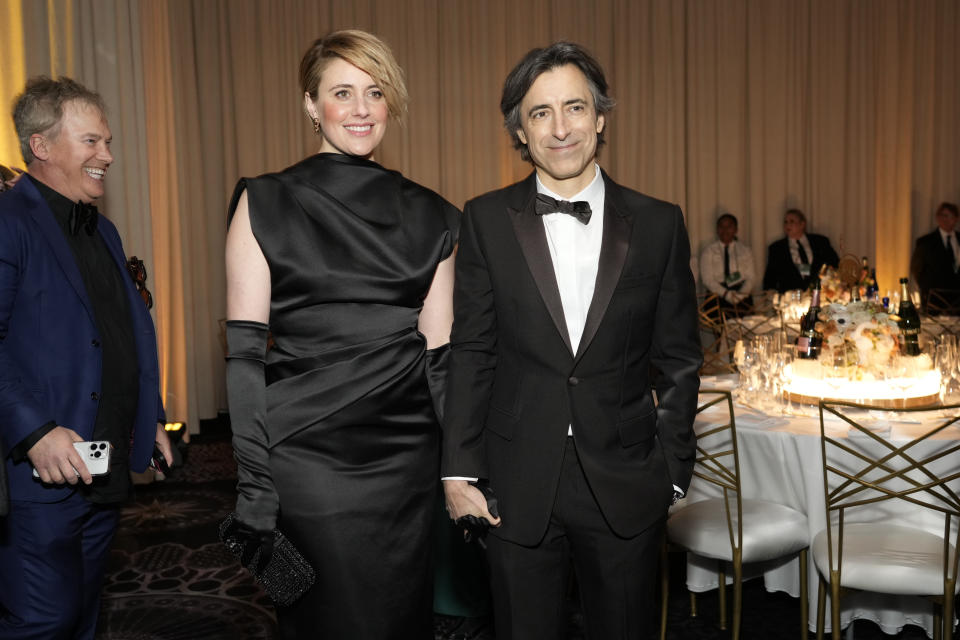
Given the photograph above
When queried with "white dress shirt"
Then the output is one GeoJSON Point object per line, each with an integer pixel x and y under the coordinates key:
{"type": "Point", "coordinates": [575, 253]}
{"type": "Point", "coordinates": [711, 269]}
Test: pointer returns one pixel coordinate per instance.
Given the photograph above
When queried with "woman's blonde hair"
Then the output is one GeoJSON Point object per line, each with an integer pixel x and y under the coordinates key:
{"type": "Point", "coordinates": [366, 52]}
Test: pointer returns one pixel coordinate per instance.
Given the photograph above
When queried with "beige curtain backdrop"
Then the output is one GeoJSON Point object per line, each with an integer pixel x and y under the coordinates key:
{"type": "Point", "coordinates": [843, 108]}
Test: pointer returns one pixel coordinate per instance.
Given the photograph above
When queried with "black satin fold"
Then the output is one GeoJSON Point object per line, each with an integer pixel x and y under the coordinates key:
{"type": "Point", "coordinates": [353, 434]}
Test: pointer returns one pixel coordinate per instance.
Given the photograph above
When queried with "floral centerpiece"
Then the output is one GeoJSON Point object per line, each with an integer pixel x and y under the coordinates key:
{"type": "Point", "coordinates": [862, 331]}
{"type": "Point", "coordinates": [832, 287]}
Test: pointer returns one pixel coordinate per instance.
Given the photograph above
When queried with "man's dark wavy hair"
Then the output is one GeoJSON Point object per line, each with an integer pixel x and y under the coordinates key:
{"type": "Point", "coordinates": [538, 61]}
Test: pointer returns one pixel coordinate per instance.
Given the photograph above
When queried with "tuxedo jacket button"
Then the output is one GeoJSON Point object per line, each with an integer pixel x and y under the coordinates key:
{"type": "Point", "coordinates": [95, 343]}
{"type": "Point", "coordinates": [573, 381]}
{"type": "Point", "coordinates": [94, 396]}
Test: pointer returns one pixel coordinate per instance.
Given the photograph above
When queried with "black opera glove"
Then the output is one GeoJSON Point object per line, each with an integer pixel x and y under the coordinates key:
{"type": "Point", "coordinates": [254, 548]}
{"type": "Point", "coordinates": [475, 528]}
{"type": "Point", "coordinates": [257, 501]}
{"type": "Point", "coordinates": [437, 365]}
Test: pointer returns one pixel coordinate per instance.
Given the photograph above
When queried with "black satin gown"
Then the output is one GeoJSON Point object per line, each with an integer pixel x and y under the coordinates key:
{"type": "Point", "coordinates": [354, 439]}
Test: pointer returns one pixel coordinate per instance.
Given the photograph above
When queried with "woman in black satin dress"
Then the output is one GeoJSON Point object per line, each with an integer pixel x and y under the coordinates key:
{"type": "Point", "coordinates": [348, 266]}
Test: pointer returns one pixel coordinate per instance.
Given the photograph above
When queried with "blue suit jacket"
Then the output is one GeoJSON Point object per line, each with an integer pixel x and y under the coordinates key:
{"type": "Point", "coordinates": [50, 356]}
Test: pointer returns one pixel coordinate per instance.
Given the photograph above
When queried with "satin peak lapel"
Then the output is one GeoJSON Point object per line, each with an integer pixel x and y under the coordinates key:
{"type": "Point", "coordinates": [533, 242]}
{"type": "Point", "coordinates": [613, 253]}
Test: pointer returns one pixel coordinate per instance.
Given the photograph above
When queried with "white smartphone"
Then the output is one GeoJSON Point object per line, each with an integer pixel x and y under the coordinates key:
{"type": "Point", "coordinates": [96, 455]}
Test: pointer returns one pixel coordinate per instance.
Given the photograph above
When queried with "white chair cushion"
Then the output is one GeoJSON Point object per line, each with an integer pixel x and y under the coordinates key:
{"type": "Point", "coordinates": [770, 530]}
{"type": "Point", "coordinates": [886, 559]}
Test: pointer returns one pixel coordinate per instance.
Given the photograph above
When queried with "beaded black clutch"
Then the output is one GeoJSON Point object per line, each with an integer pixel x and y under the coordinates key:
{"type": "Point", "coordinates": [285, 576]}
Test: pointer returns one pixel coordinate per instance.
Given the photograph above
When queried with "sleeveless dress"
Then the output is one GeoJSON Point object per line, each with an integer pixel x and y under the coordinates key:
{"type": "Point", "coordinates": [354, 439]}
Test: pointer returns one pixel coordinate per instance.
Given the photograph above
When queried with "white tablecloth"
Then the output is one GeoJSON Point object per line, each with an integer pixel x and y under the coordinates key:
{"type": "Point", "coordinates": [780, 461]}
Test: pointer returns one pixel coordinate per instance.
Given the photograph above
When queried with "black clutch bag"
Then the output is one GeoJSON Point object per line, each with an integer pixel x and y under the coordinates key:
{"type": "Point", "coordinates": [285, 576]}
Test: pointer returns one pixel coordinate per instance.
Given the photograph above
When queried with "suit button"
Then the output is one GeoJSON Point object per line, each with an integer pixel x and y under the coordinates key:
{"type": "Point", "coordinates": [573, 381]}
{"type": "Point", "coordinates": [94, 396]}
{"type": "Point", "coordinates": [95, 343]}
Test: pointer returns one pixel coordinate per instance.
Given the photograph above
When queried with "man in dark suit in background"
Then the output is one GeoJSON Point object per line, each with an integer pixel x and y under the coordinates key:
{"type": "Point", "coordinates": [935, 260]}
{"type": "Point", "coordinates": [566, 315]}
{"type": "Point", "coordinates": [78, 362]}
{"type": "Point", "coordinates": [794, 261]}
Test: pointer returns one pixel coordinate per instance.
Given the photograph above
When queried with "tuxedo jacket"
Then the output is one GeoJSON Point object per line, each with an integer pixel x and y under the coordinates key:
{"type": "Point", "coordinates": [932, 264]}
{"type": "Point", "coordinates": [50, 356]}
{"type": "Point", "coordinates": [515, 384]}
{"type": "Point", "coordinates": [782, 274]}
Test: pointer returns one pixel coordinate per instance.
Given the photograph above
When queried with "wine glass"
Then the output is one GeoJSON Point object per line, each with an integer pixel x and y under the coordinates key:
{"type": "Point", "coordinates": [835, 372]}
{"type": "Point", "coordinates": [945, 360]}
{"type": "Point", "coordinates": [782, 364]}
{"type": "Point", "coordinates": [748, 373]}
{"type": "Point", "coordinates": [901, 373]}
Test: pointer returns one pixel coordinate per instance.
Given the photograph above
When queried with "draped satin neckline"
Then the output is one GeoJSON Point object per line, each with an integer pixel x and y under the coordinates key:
{"type": "Point", "coordinates": [361, 186]}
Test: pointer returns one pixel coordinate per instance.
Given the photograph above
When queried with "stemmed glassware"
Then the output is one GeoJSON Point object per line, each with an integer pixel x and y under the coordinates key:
{"type": "Point", "coordinates": [945, 360]}
{"type": "Point", "coordinates": [835, 370]}
{"type": "Point", "coordinates": [748, 359]}
{"type": "Point", "coordinates": [900, 374]}
{"type": "Point", "coordinates": [780, 364]}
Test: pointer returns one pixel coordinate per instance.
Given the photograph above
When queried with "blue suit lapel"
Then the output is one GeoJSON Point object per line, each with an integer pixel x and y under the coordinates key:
{"type": "Point", "coordinates": [53, 234]}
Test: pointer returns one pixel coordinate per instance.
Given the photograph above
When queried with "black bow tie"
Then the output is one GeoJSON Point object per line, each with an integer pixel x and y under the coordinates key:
{"type": "Point", "coordinates": [579, 209]}
{"type": "Point", "coordinates": [83, 215]}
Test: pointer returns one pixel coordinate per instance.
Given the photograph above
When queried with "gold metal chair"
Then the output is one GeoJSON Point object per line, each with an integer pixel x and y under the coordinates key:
{"type": "Point", "coordinates": [865, 551]}
{"type": "Point", "coordinates": [717, 349]}
{"type": "Point", "coordinates": [941, 312]}
{"type": "Point", "coordinates": [732, 529]}
{"type": "Point", "coordinates": [750, 323]}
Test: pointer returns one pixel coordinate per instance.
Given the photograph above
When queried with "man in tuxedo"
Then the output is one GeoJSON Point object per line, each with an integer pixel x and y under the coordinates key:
{"type": "Point", "coordinates": [78, 362]}
{"type": "Point", "coordinates": [573, 300]}
{"type": "Point", "coordinates": [795, 260]}
{"type": "Point", "coordinates": [935, 259]}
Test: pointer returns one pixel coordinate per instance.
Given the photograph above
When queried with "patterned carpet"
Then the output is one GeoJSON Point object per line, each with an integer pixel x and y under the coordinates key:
{"type": "Point", "coordinates": [170, 579]}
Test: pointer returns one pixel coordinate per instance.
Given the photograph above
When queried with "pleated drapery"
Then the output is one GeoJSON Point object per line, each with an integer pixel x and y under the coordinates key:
{"type": "Point", "coordinates": [844, 109]}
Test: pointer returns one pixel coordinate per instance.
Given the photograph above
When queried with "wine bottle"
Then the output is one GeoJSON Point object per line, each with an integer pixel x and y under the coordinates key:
{"type": "Point", "coordinates": [909, 323]}
{"type": "Point", "coordinates": [811, 339]}
{"type": "Point", "coordinates": [872, 288]}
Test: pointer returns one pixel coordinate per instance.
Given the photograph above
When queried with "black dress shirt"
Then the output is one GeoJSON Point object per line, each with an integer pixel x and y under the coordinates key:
{"type": "Point", "coordinates": [119, 383]}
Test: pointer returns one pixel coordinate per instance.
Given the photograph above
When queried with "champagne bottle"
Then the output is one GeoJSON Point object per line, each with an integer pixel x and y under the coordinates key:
{"type": "Point", "coordinates": [811, 339]}
{"type": "Point", "coordinates": [909, 323]}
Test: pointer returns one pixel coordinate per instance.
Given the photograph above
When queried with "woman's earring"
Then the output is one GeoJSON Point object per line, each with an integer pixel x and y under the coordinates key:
{"type": "Point", "coordinates": [316, 125]}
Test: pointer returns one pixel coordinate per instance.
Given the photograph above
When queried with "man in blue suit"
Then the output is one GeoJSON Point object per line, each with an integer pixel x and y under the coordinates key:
{"type": "Point", "coordinates": [78, 362]}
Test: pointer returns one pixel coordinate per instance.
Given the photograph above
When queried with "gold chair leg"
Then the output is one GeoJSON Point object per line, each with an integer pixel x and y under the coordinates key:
{"type": "Point", "coordinates": [737, 599]}
{"type": "Point", "coordinates": [835, 603]}
{"type": "Point", "coordinates": [693, 604]}
{"type": "Point", "coordinates": [804, 604]}
{"type": "Point", "coordinates": [937, 622]}
{"type": "Point", "coordinates": [948, 609]}
{"type": "Point", "coordinates": [821, 606]}
{"type": "Point", "coordinates": [722, 595]}
{"type": "Point", "coordinates": [664, 588]}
